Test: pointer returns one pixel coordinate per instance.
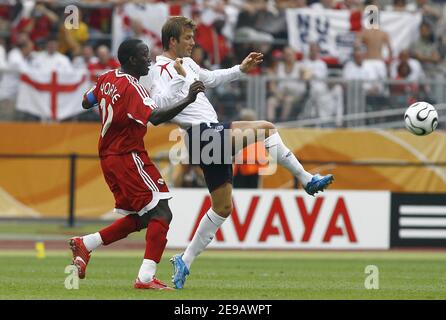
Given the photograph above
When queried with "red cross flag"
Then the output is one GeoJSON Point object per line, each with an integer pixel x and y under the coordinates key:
{"type": "Point", "coordinates": [52, 95]}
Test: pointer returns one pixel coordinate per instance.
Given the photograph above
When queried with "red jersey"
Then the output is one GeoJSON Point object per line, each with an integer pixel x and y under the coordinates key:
{"type": "Point", "coordinates": [125, 107]}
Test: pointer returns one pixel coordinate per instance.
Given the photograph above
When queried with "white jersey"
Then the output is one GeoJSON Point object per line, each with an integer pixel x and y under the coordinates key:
{"type": "Point", "coordinates": [200, 111]}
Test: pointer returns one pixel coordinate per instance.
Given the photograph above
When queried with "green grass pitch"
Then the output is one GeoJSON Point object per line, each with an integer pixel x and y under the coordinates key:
{"type": "Point", "coordinates": [241, 275]}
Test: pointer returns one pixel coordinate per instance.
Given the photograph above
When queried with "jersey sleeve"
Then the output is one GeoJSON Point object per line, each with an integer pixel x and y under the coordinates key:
{"type": "Point", "coordinates": [139, 104]}
{"type": "Point", "coordinates": [218, 77]}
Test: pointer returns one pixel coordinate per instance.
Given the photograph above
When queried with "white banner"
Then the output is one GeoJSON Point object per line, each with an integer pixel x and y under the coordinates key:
{"type": "Point", "coordinates": [331, 29]}
{"type": "Point", "coordinates": [52, 95]}
{"type": "Point", "coordinates": [288, 219]}
{"type": "Point", "coordinates": [143, 21]}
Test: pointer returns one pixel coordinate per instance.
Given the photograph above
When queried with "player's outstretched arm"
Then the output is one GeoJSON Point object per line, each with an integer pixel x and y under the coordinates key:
{"type": "Point", "coordinates": [218, 77]}
{"type": "Point", "coordinates": [160, 115]}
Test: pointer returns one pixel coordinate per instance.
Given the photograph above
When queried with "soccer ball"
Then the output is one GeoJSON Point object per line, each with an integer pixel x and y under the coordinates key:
{"type": "Point", "coordinates": [421, 118]}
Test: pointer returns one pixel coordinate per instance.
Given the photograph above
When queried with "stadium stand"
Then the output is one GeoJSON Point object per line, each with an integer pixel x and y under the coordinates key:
{"type": "Point", "coordinates": [351, 92]}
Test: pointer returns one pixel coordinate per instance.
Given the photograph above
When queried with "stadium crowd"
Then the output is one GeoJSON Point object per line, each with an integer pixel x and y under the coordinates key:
{"type": "Point", "coordinates": [34, 37]}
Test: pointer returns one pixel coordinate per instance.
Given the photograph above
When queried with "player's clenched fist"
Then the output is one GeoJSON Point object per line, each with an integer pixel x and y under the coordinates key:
{"type": "Point", "coordinates": [178, 65]}
{"type": "Point", "coordinates": [194, 89]}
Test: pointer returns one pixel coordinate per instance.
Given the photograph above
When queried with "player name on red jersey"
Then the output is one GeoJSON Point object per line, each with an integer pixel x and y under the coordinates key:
{"type": "Point", "coordinates": [109, 89]}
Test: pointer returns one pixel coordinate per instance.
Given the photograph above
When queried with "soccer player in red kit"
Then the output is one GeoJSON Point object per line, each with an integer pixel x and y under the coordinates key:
{"type": "Point", "coordinates": [140, 192]}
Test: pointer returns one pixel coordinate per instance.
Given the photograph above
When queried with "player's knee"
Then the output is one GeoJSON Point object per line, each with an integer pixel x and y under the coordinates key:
{"type": "Point", "coordinates": [162, 212]}
{"type": "Point", "coordinates": [167, 216]}
{"type": "Point", "coordinates": [223, 210]}
{"type": "Point", "coordinates": [165, 212]}
{"type": "Point", "coordinates": [268, 127]}
{"type": "Point", "coordinates": [143, 220]}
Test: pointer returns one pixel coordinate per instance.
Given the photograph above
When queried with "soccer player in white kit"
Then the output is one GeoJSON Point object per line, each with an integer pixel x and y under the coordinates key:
{"type": "Point", "coordinates": [178, 41]}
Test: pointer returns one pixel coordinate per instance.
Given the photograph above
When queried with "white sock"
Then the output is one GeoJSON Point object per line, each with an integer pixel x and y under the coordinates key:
{"type": "Point", "coordinates": [92, 241]}
{"type": "Point", "coordinates": [147, 270]}
{"type": "Point", "coordinates": [286, 158]}
{"type": "Point", "coordinates": [206, 230]}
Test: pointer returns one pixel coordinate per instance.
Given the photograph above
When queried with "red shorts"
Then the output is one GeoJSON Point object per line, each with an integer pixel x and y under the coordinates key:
{"type": "Point", "coordinates": [135, 182]}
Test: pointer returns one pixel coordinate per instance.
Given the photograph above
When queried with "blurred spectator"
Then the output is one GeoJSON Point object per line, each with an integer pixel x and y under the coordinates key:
{"type": "Point", "coordinates": [425, 49]}
{"type": "Point", "coordinates": [271, 61]}
{"type": "Point", "coordinates": [39, 23]}
{"type": "Point", "coordinates": [324, 101]}
{"type": "Point", "coordinates": [87, 57]}
{"type": "Point", "coordinates": [356, 69]}
{"type": "Point", "coordinates": [375, 41]}
{"type": "Point", "coordinates": [51, 59]}
{"type": "Point", "coordinates": [3, 56]}
{"type": "Point", "coordinates": [5, 17]}
{"type": "Point", "coordinates": [431, 13]}
{"type": "Point", "coordinates": [98, 20]}
{"type": "Point", "coordinates": [105, 62]}
{"type": "Point", "coordinates": [248, 15]}
{"type": "Point", "coordinates": [401, 5]}
{"type": "Point", "coordinates": [143, 34]}
{"type": "Point", "coordinates": [250, 160]}
{"type": "Point", "coordinates": [323, 4]}
{"type": "Point", "coordinates": [210, 37]}
{"type": "Point", "coordinates": [210, 10]}
{"type": "Point", "coordinates": [249, 22]}
{"type": "Point", "coordinates": [72, 40]}
{"type": "Point", "coordinates": [415, 74]}
{"type": "Point", "coordinates": [416, 70]}
{"type": "Point", "coordinates": [288, 90]}
{"type": "Point", "coordinates": [407, 92]}
{"type": "Point", "coordinates": [139, 31]}
{"type": "Point", "coordinates": [270, 19]}
{"type": "Point", "coordinates": [377, 3]}
{"type": "Point", "coordinates": [19, 60]}
{"type": "Point", "coordinates": [284, 4]}
{"type": "Point", "coordinates": [349, 5]}
{"type": "Point", "coordinates": [231, 12]}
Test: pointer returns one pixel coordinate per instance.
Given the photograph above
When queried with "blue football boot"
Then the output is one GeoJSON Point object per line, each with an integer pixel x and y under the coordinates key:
{"type": "Point", "coordinates": [318, 183]}
{"type": "Point", "coordinates": [180, 271]}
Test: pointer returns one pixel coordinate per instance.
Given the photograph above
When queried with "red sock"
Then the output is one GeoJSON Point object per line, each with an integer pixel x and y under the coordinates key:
{"type": "Point", "coordinates": [119, 229]}
{"type": "Point", "coordinates": [156, 239]}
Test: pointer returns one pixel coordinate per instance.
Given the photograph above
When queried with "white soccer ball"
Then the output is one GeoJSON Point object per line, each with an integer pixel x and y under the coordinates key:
{"type": "Point", "coordinates": [421, 118]}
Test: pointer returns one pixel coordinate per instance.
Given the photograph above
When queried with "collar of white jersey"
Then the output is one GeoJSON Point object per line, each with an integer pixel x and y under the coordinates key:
{"type": "Point", "coordinates": [162, 58]}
